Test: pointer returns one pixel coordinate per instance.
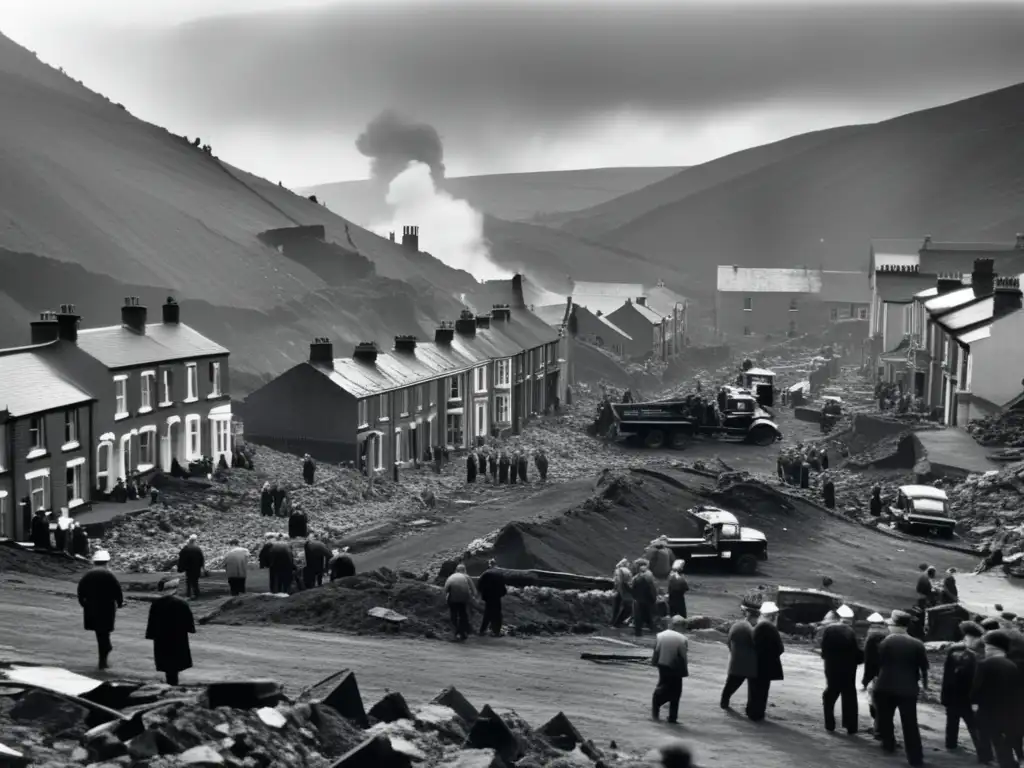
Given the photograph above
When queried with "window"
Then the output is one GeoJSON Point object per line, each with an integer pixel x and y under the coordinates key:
{"type": "Point", "coordinates": [148, 382]}
{"type": "Point", "coordinates": [746, 330]}
{"type": "Point", "coordinates": [502, 409]}
{"type": "Point", "coordinates": [833, 314]}
{"type": "Point", "coordinates": [421, 395]}
{"type": "Point", "coordinates": [792, 305]}
{"type": "Point", "coordinates": [39, 489]}
{"type": "Point", "coordinates": [103, 454]}
{"type": "Point", "coordinates": [192, 383]}
{"type": "Point", "coordinates": [74, 482]}
{"type": "Point", "coordinates": [215, 380]}
{"type": "Point", "coordinates": [120, 397]}
{"type": "Point", "coordinates": [454, 388]}
{"type": "Point", "coordinates": [70, 429]}
{"type": "Point", "coordinates": [398, 445]}
{"type": "Point", "coordinates": [454, 435]}
{"type": "Point", "coordinates": [480, 377]}
{"type": "Point", "coordinates": [862, 313]}
{"type": "Point", "coordinates": [147, 449]}
{"type": "Point", "coordinates": [37, 434]}
{"type": "Point", "coordinates": [364, 413]}
{"type": "Point", "coordinates": [503, 373]}
{"type": "Point", "coordinates": [168, 387]}
{"type": "Point", "coordinates": [382, 407]}
{"type": "Point", "coordinates": [3, 447]}
{"type": "Point", "coordinates": [5, 528]}
{"type": "Point", "coordinates": [481, 419]}
{"type": "Point", "coordinates": [378, 451]}
{"type": "Point", "coordinates": [431, 392]}
{"type": "Point", "coordinates": [748, 304]}
{"type": "Point", "coordinates": [193, 439]}
{"type": "Point", "coordinates": [405, 402]}
{"type": "Point", "coordinates": [221, 437]}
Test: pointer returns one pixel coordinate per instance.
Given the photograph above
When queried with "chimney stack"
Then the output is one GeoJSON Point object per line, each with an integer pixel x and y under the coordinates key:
{"type": "Point", "coordinates": [411, 238]}
{"type": "Point", "coordinates": [133, 315]}
{"type": "Point", "coordinates": [1006, 296]}
{"type": "Point", "coordinates": [983, 277]}
{"type": "Point", "coordinates": [171, 312]}
{"type": "Point", "coordinates": [517, 291]}
{"type": "Point", "coordinates": [641, 300]}
{"type": "Point", "coordinates": [391, 235]}
{"type": "Point", "coordinates": [445, 333]}
{"type": "Point", "coordinates": [405, 344]}
{"type": "Point", "coordinates": [67, 323]}
{"type": "Point", "coordinates": [321, 352]}
{"type": "Point", "coordinates": [501, 313]}
{"type": "Point", "coordinates": [366, 352]}
{"type": "Point", "coordinates": [45, 329]}
{"type": "Point", "coordinates": [949, 281]}
{"type": "Point", "coordinates": [466, 324]}
{"type": "Point", "coordinates": [483, 321]}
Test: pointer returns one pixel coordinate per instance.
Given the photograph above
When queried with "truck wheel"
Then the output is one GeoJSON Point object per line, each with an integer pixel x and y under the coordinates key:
{"type": "Point", "coordinates": [654, 439]}
{"type": "Point", "coordinates": [680, 439]}
{"type": "Point", "coordinates": [761, 436]}
{"type": "Point", "coordinates": [746, 565]}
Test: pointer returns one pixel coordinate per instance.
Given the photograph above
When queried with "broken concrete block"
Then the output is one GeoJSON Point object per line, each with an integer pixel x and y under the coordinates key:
{"type": "Point", "coordinates": [376, 752]}
{"type": "Point", "coordinates": [153, 743]}
{"type": "Point", "coordinates": [337, 735]}
{"type": "Point", "coordinates": [391, 708]}
{"type": "Point", "coordinates": [346, 700]}
{"type": "Point", "coordinates": [271, 717]}
{"type": "Point", "coordinates": [476, 758]}
{"type": "Point", "coordinates": [451, 698]}
{"type": "Point", "coordinates": [49, 712]}
{"type": "Point", "coordinates": [561, 733]}
{"type": "Point", "coordinates": [105, 746]}
{"type": "Point", "coordinates": [251, 694]}
{"type": "Point", "coordinates": [201, 756]}
{"type": "Point", "coordinates": [491, 732]}
{"type": "Point", "coordinates": [443, 721]}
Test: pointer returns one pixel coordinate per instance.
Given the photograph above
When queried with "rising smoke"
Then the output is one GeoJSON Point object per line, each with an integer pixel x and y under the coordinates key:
{"type": "Point", "coordinates": [408, 158]}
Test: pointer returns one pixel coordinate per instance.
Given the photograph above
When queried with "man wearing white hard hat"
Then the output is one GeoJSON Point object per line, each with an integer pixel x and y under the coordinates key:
{"type": "Point", "coordinates": [769, 649]}
{"type": "Point", "coordinates": [99, 594]}
{"type": "Point", "coordinates": [842, 656]}
{"type": "Point", "coordinates": [878, 630]}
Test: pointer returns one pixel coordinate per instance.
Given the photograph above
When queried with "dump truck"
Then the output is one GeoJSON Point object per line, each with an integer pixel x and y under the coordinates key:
{"type": "Point", "coordinates": [724, 539]}
{"type": "Point", "coordinates": [735, 415]}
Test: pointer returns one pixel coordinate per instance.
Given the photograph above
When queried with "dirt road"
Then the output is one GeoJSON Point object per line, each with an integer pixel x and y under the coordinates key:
{"type": "Point", "coordinates": [537, 678]}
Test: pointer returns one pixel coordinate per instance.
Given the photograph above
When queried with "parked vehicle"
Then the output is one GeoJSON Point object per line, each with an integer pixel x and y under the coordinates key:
{"type": "Point", "coordinates": [922, 509]}
{"type": "Point", "coordinates": [736, 547]}
{"type": "Point", "coordinates": [761, 383]}
{"type": "Point", "coordinates": [735, 416]}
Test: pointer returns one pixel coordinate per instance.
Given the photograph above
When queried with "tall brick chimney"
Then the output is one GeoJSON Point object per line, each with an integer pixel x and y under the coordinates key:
{"type": "Point", "coordinates": [983, 277]}
{"type": "Point", "coordinates": [67, 323]}
{"type": "Point", "coordinates": [466, 324]}
{"type": "Point", "coordinates": [45, 329]}
{"type": "Point", "coordinates": [321, 352]}
{"type": "Point", "coordinates": [171, 312]}
{"type": "Point", "coordinates": [411, 238]}
{"type": "Point", "coordinates": [1006, 297]}
{"type": "Point", "coordinates": [133, 315]}
{"type": "Point", "coordinates": [445, 333]}
{"type": "Point", "coordinates": [366, 352]}
{"type": "Point", "coordinates": [405, 344]}
{"type": "Point", "coordinates": [519, 298]}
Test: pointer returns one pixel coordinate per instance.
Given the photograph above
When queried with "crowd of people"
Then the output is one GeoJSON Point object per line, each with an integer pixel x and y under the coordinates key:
{"type": "Point", "coordinates": [499, 466]}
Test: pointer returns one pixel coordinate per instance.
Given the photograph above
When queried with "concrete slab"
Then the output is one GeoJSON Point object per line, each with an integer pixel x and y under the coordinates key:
{"type": "Point", "coordinates": [953, 452]}
{"type": "Point", "coordinates": [102, 512]}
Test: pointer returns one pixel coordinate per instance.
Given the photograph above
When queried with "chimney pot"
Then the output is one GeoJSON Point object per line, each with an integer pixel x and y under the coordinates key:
{"type": "Point", "coordinates": [45, 329]}
{"type": "Point", "coordinates": [133, 315]}
{"type": "Point", "coordinates": [405, 343]}
{"type": "Point", "coordinates": [927, 241]}
{"type": "Point", "coordinates": [641, 300]}
{"type": "Point", "coordinates": [67, 323]}
{"type": "Point", "coordinates": [445, 333]}
{"type": "Point", "coordinates": [366, 351]}
{"type": "Point", "coordinates": [1007, 296]}
{"type": "Point", "coordinates": [483, 321]}
{"type": "Point", "coordinates": [466, 324]}
{"type": "Point", "coordinates": [321, 352]}
{"type": "Point", "coordinates": [171, 312]}
{"type": "Point", "coordinates": [411, 238]}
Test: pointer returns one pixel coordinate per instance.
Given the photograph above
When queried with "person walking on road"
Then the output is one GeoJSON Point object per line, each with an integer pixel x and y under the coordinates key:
{"type": "Point", "coordinates": [236, 564]}
{"type": "Point", "coordinates": [842, 655]}
{"type": "Point", "coordinates": [742, 657]}
{"type": "Point", "coordinates": [925, 588]}
{"type": "Point", "coordinates": [491, 586]}
{"type": "Point", "coordinates": [645, 597]}
{"type": "Point", "coordinates": [670, 658]}
{"type": "Point", "coordinates": [169, 625]}
{"type": "Point", "coordinates": [99, 594]}
{"type": "Point", "coordinates": [902, 664]}
{"type": "Point", "coordinates": [191, 562]}
{"type": "Point", "coordinates": [769, 649]}
{"type": "Point", "coordinates": [677, 589]}
{"type": "Point", "coordinates": [623, 602]}
{"type": "Point", "coordinates": [877, 632]}
{"type": "Point", "coordinates": [957, 682]}
{"type": "Point", "coordinates": [996, 690]}
{"type": "Point", "coordinates": [458, 590]}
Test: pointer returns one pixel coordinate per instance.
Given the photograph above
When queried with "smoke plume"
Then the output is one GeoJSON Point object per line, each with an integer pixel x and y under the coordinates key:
{"type": "Point", "coordinates": [391, 141]}
{"type": "Point", "coordinates": [452, 230]}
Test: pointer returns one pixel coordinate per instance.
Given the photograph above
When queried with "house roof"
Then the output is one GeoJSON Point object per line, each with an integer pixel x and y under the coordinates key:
{"type": "Point", "coordinates": [768, 280]}
{"type": "Point", "coordinates": [845, 287]}
{"type": "Point", "coordinates": [552, 314]}
{"type": "Point", "coordinates": [947, 302]}
{"type": "Point", "coordinates": [968, 315]}
{"type": "Point", "coordinates": [613, 326]}
{"type": "Point", "coordinates": [979, 247]}
{"type": "Point", "coordinates": [30, 384]}
{"type": "Point", "coordinates": [118, 347]}
{"type": "Point", "coordinates": [646, 313]}
{"type": "Point", "coordinates": [663, 300]}
{"type": "Point", "coordinates": [893, 252]}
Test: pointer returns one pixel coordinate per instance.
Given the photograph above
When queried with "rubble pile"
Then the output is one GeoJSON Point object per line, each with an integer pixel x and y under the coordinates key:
{"type": "Point", "coordinates": [345, 606]}
{"type": "Point", "coordinates": [991, 507]}
{"type": "Point", "coordinates": [1005, 429]}
{"type": "Point", "coordinates": [253, 724]}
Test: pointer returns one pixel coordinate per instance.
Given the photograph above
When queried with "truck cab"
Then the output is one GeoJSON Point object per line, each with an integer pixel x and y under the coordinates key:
{"type": "Point", "coordinates": [723, 539]}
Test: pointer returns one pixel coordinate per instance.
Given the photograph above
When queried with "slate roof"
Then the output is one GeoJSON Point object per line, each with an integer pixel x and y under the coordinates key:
{"type": "Point", "coordinates": [947, 302]}
{"type": "Point", "coordinates": [649, 314]}
{"type": "Point", "coordinates": [663, 300]}
{"type": "Point", "coordinates": [734, 279]}
{"type": "Point", "coordinates": [613, 326]}
{"type": "Point", "coordinates": [118, 347]}
{"type": "Point", "coordinates": [552, 314]}
{"type": "Point", "coordinates": [30, 384]}
{"type": "Point", "coordinates": [845, 287]}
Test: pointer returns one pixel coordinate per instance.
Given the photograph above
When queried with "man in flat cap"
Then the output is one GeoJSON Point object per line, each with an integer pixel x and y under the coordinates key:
{"type": "Point", "coordinates": [842, 655]}
{"type": "Point", "coordinates": [902, 664]}
{"type": "Point", "coordinates": [957, 681]}
{"type": "Point", "coordinates": [996, 691]}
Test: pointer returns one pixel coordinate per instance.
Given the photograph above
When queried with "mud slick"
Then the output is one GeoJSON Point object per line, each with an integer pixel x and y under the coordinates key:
{"type": "Point", "coordinates": [254, 724]}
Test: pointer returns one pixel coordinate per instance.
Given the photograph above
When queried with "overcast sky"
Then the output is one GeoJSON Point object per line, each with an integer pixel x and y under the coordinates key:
{"type": "Point", "coordinates": [283, 87]}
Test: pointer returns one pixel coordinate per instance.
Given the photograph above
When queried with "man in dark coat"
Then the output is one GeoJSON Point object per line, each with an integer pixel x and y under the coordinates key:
{"type": "Point", "coordinates": [279, 495]}
{"type": "Point", "coordinates": [645, 597]}
{"type": "Point", "coordinates": [902, 663]}
{"type": "Point", "coordinates": [471, 468]}
{"type": "Point", "coordinates": [955, 696]}
{"type": "Point", "coordinates": [40, 533]}
{"type": "Point", "coordinates": [876, 502]}
{"type": "Point", "coordinates": [79, 541]}
{"type": "Point", "coordinates": [317, 557]}
{"type": "Point", "coordinates": [491, 586]}
{"type": "Point", "coordinates": [191, 562]}
{"type": "Point", "coordinates": [523, 465]}
{"type": "Point", "coordinates": [503, 465]}
{"type": "Point", "coordinates": [266, 501]}
{"type": "Point", "coordinates": [996, 690]}
{"type": "Point", "coordinates": [308, 469]}
{"type": "Point", "coordinates": [541, 461]}
{"type": "Point", "coordinates": [877, 632]}
{"type": "Point", "coordinates": [99, 594]}
{"type": "Point", "coordinates": [769, 649]}
{"type": "Point", "coordinates": [492, 464]}
{"type": "Point", "coordinates": [805, 474]}
{"type": "Point", "coordinates": [950, 592]}
{"type": "Point", "coordinates": [481, 464]}
{"type": "Point", "coordinates": [298, 524]}
{"type": "Point", "coordinates": [281, 565]}
{"type": "Point", "coordinates": [513, 468]}
{"type": "Point", "coordinates": [742, 657]}
{"type": "Point", "coordinates": [924, 585]}
{"type": "Point", "coordinates": [169, 625]}
{"type": "Point", "coordinates": [342, 565]}
{"type": "Point", "coordinates": [829, 492]}
{"type": "Point", "coordinates": [842, 656]}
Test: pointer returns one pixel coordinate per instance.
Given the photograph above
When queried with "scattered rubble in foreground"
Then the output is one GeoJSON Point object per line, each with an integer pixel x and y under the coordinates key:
{"type": "Point", "coordinates": [1004, 430]}
{"type": "Point", "coordinates": [254, 725]}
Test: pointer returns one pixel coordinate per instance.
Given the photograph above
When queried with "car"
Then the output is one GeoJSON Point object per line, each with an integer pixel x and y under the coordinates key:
{"type": "Point", "coordinates": [922, 508]}
{"type": "Point", "coordinates": [724, 539]}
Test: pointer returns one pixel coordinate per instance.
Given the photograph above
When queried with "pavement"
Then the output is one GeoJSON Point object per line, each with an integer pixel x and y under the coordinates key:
{"type": "Point", "coordinates": [535, 677]}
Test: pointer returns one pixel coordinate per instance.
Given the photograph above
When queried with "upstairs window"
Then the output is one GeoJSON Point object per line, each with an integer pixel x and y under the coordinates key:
{"type": "Point", "coordinates": [71, 427]}
{"type": "Point", "coordinates": [147, 382]}
{"type": "Point", "coordinates": [748, 303]}
{"type": "Point", "coordinates": [862, 313]}
{"type": "Point", "coordinates": [215, 390]}
{"type": "Point", "coordinates": [121, 396]}
{"type": "Point", "coordinates": [37, 433]}
{"type": "Point", "coordinates": [382, 407]}
{"type": "Point", "coordinates": [454, 387]}
{"type": "Point", "coordinates": [191, 382]}
{"type": "Point", "coordinates": [364, 412]}
{"type": "Point", "coordinates": [480, 375]}
{"type": "Point", "coordinates": [3, 448]}
{"type": "Point", "coordinates": [503, 373]}
{"type": "Point", "coordinates": [405, 402]}
{"type": "Point", "coordinates": [168, 387]}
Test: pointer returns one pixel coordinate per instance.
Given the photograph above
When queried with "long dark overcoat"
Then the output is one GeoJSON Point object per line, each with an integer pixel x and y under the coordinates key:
{"type": "Point", "coordinates": [99, 594]}
{"type": "Point", "coordinates": [170, 623]}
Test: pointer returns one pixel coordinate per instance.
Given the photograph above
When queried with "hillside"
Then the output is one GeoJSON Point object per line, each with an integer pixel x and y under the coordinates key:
{"type": "Point", "coordinates": [953, 171]}
{"type": "Point", "coordinates": [104, 206]}
{"type": "Point", "coordinates": [509, 196]}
